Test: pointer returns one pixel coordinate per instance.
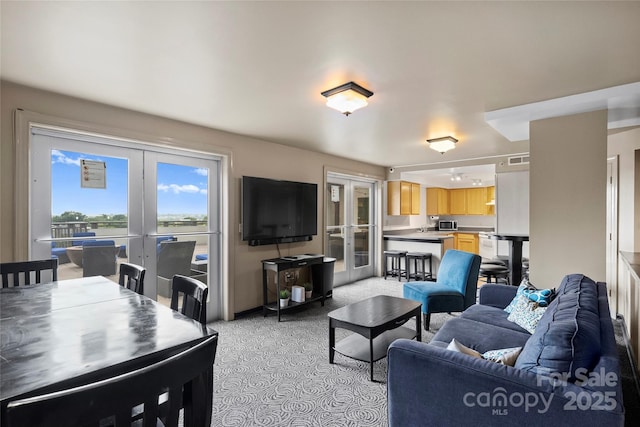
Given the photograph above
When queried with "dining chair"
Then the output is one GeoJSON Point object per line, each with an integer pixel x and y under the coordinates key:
{"type": "Point", "coordinates": [28, 270]}
{"type": "Point", "coordinates": [186, 376]}
{"type": "Point", "coordinates": [189, 296]}
{"type": "Point", "coordinates": [132, 277]}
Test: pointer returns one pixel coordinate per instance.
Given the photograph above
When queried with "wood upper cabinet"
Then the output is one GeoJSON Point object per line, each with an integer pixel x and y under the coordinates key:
{"type": "Point", "coordinates": [403, 198]}
{"type": "Point", "coordinates": [437, 201]}
{"type": "Point", "coordinates": [491, 197]}
{"type": "Point", "coordinates": [458, 201]}
{"type": "Point", "coordinates": [476, 201]}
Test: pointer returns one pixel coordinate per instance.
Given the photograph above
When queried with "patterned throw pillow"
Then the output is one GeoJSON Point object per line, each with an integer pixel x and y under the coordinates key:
{"type": "Point", "coordinates": [504, 356]}
{"type": "Point", "coordinates": [526, 314]}
{"type": "Point", "coordinates": [456, 346]}
{"type": "Point", "coordinates": [542, 296]}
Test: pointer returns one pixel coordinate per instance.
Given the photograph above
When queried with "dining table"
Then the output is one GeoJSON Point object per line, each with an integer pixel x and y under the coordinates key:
{"type": "Point", "coordinates": [68, 333]}
{"type": "Point", "coordinates": [515, 254]}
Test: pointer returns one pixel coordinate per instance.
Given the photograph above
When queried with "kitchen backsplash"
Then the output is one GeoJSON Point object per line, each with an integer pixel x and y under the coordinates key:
{"type": "Point", "coordinates": [417, 221]}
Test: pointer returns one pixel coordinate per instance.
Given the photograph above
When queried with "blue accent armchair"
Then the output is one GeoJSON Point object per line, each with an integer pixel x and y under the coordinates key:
{"type": "Point", "coordinates": [453, 291]}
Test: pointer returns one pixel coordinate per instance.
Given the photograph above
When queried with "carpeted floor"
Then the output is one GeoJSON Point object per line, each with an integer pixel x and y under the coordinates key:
{"type": "Point", "coordinates": [278, 374]}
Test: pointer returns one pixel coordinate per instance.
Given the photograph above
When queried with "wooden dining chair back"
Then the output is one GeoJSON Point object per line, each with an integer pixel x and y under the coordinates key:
{"type": "Point", "coordinates": [132, 277]}
{"type": "Point", "coordinates": [27, 272]}
{"type": "Point", "coordinates": [186, 377]}
{"type": "Point", "coordinates": [189, 296]}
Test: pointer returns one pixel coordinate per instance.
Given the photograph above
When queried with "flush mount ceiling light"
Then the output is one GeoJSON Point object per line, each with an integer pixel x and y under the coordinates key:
{"type": "Point", "coordinates": [442, 145]}
{"type": "Point", "coordinates": [476, 182]}
{"type": "Point", "coordinates": [347, 98]}
{"type": "Point", "coordinates": [456, 177]}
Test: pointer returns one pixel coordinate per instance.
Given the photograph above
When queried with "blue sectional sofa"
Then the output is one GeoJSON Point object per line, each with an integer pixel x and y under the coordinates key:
{"type": "Point", "coordinates": [567, 372]}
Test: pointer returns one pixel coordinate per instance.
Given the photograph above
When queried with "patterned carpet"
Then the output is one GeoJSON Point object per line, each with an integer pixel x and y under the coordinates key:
{"type": "Point", "coordinates": [278, 374]}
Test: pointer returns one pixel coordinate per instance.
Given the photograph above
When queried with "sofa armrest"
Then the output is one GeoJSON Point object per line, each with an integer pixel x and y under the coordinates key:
{"type": "Point", "coordinates": [429, 385]}
{"type": "Point", "coordinates": [496, 295]}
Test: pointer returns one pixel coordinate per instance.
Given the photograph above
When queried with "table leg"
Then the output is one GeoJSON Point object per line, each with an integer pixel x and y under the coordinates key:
{"type": "Point", "coordinates": [419, 324]}
{"type": "Point", "coordinates": [515, 258]}
{"type": "Point", "coordinates": [332, 341]}
{"type": "Point", "coordinates": [371, 357]}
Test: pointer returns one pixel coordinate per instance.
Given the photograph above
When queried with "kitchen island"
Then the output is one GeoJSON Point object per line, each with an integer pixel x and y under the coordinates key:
{"type": "Point", "coordinates": [434, 243]}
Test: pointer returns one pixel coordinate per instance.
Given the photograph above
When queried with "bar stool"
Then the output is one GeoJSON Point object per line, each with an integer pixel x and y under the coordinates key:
{"type": "Point", "coordinates": [418, 260]}
{"type": "Point", "coordinates": [495, 271]}
{"type": "Point", "coordinates": [396, 264]}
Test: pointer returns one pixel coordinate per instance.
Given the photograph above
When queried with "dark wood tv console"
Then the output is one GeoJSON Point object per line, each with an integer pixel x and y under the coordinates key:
{"type": "Point", "coordinates": [278, 265]}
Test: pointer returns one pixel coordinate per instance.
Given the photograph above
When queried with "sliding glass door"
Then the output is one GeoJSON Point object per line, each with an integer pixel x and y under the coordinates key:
{"type": "Point", "coordinates": [350, 226]}
{"type": "Point", "coordinates": [131, 199]}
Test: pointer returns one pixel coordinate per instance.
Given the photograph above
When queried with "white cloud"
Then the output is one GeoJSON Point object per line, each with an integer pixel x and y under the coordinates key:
{"type": "Point", "coordinates": [202, 171]}
{"type": "Point", "coordinates": [177, 189]}
{"type": "Point", "coordinates": [59, 157]}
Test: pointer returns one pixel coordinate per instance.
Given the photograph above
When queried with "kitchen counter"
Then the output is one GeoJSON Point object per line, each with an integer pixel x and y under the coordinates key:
{"type": "Point", "coordinates": [430, 237]}
{"type": "Point", "coordinates": [435, 243]}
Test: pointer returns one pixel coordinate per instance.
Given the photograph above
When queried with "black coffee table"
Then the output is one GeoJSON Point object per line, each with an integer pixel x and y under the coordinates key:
{"type": "Point", "coordinates": [377, 322]}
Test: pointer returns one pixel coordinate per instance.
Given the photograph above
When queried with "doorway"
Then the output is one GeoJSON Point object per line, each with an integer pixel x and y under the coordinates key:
{"type": "Point", "coordinates": [155, 207]}
{"type": "Point", "coordinates": [350, 227]}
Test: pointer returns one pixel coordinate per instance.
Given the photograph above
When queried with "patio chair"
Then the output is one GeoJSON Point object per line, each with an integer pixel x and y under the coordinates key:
{"type": "Point", "coordinates": [174, 257]}
{"type": "Point", "coordinates": [11, 272]}
{"type": "Point", "coordinates": [99, 258]}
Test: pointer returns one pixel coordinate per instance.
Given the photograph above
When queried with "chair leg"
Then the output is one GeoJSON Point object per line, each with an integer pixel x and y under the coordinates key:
{"type": "Point", "coordinates": [426, 318]}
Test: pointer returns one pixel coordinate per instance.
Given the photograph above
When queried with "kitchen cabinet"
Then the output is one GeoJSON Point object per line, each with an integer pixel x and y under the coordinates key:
{"type": "Point", "coordinates": [491, 198]}
{"type": "Point", "coordinates": [458, 201]}
{"type": "Point", "coordinates": [467, 242]}
{"type": "Point", "coordinates": [437, 201]}
{"type": "Point", "coordinates": [476, 199]}
{"type": "Point", "coordinates": [403, 198]}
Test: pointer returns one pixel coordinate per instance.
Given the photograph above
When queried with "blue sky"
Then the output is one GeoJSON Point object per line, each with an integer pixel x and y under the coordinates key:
{"type": "Point", "coordinates": [180, 189]}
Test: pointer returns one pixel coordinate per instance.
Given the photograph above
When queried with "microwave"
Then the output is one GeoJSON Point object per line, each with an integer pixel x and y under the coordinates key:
{"type": "Point", "coordinates": [447, 225]}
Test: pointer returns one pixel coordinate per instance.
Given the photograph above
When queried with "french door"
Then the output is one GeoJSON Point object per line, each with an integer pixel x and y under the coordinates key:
{"type": "Point", "coordinates": [350, 227]}
{"type": "Point", "coordinates": [158, 208]}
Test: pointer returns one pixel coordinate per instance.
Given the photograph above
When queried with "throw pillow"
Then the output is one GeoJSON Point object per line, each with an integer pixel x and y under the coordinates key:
{"type": "Point", "coordinates": [505, 356]}
{"type": "Point", "coordinates": [542, 296]}
{"type": "Point", "coordinates": [524, 285]}
{"type": "Point", "coordinates": [456, 346]}
{"type": "Point", "coordinates": [526, 314]}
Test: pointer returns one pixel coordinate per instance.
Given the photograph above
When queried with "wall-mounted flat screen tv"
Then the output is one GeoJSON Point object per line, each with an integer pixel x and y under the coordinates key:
{"type": "Point", "coordinates": [275, 211]}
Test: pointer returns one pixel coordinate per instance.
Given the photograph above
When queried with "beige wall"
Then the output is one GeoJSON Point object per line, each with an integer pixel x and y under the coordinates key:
{"type": "Point", "coordinates": [247, 156]}
{"type": "Point", "coordinates": [567, 197]}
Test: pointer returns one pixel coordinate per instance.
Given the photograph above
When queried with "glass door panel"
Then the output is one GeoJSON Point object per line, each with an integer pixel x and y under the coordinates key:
{"type": "Point", "coordinates": [349, 227]}
{"type": "Point", "coordinates": [82, 212]}
{"type": "Point", "coordinates": [181, 231]}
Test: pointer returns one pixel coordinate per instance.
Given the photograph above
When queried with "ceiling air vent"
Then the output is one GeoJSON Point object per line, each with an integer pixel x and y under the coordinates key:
{"type": "Point", "coordinates": [520, 160]}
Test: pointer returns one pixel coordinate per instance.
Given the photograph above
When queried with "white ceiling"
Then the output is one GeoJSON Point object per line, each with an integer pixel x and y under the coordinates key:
{"type": "Point", "coordinates": [257, 68]}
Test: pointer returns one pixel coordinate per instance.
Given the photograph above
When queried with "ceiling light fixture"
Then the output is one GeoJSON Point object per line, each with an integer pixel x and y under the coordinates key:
{"type": "Point", "coordinates": [347, 98]}
{"type": "Point", "coordinates": [442, 145]}
{"type": "Point", "coordinates": [476, 182]}
{"type": "Point", "coordinates": [456, 177]}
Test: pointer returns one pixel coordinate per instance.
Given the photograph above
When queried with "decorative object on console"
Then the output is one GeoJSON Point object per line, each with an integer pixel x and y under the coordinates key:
{"type": "Point", "coordinates": [297, 294]}
{"type": "Point", "coordinates": [308, 289]}
{"type": "Point", "coordinates": [347, 98]}
{"type": "Point", "coordinates": [442, 145]}
{"type": "Point", "coordinates": [284, 298]}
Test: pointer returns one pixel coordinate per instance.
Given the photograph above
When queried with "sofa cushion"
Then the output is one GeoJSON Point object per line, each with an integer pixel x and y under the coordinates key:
{"type": "Point", "coordinates": [568, 335]}
{"type": "Point", "coordinates": [479, 336]}
{"type": "Point", "coordinates": [491, 315]}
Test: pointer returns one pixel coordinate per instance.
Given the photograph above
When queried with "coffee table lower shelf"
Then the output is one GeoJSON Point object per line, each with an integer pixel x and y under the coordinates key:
{"type": "Point", "coordinates": [356, 346]}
